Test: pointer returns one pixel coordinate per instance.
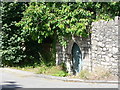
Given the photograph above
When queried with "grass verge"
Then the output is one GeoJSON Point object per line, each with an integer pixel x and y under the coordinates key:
{"type": "Point", "coordinates": [98, 74]}
{"type": "Point", "coordinates": [43, 69]}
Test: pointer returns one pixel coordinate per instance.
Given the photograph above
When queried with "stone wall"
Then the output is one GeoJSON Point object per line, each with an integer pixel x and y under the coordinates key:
{"type": "Point", "coordinates": [101, 49]}
{"type": "Point", "coordinates": [63, 54]}
{"type": "Point", "coordinates": [104, 43]}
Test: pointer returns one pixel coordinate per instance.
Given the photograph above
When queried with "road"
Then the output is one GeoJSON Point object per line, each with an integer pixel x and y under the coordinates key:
{"type": "Point", "coordinates": [11, 79]}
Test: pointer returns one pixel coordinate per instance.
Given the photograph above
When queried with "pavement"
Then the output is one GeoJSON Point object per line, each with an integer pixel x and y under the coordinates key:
{"type": "Point", "coordinates": [12, 78]}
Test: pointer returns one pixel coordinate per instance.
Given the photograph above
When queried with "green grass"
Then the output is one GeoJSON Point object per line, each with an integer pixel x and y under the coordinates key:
{"type": "Point", "coordinates": [53, 70]}
{"type": "Point", "coordinates": [43, 69]}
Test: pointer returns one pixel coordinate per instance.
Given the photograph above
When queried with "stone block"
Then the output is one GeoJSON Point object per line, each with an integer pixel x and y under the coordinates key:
{"type": "Point", "coordinates": [110, 55]}
{"type": "Point", "coordinates": [104, 49]}
{"type": "Point", "coordinates": [107, 58]}
{"type": "Point", "coordinates": [110, 23]}
{"type": "Point", "coordinates": [114, 50]}
{"type": "Point", "coordinates": [103, 56]}
{"type": "Point", "coordinates": [103, 53]}
{"type": "Point", "coordinates": [98, 52]}
{"type": "Point", "coordinates": [103, 60]}
{"type": "Point", "coordinates": [105, 63]}
{"type": "Point", "coordinates": [109, 39]}
{"type": "Point", "coordinates": [99, 49]}
{"type": "Point", "coordinates": [108, 46]}
{"type": "Point", "coordinates": [101, 44]}
{"type": "Point", "coordinates": [110, 49]}
{"type": "Point", "coordinates": [115, 56]}
{"type": "Point", "coordinates": [112, 59]}
{"type": "Point", "coordinates": [114, 45]}
{"type": "Point", "coordinates": [94, 42]}
{"type": "Point", "coordinates": [117, 20]}
{"type": "Point", "coordinates": [93, 55]}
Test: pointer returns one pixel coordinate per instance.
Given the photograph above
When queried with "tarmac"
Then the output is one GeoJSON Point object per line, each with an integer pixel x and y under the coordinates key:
{"type": "Point", "coordinates": [66, 79]}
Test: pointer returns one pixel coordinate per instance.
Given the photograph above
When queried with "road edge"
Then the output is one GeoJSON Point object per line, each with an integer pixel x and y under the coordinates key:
{"type": "Point", "coordinates": [66, 79]}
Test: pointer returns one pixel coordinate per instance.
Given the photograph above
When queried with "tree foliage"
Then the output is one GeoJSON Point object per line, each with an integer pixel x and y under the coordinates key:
{"type": "Point", "coordinates": [42, 20]}
{"type": "Point", "coordinates": [11, 38]}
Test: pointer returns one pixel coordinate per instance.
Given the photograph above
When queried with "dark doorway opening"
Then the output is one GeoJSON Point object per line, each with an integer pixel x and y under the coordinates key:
{"type": "Point", "coordinates": [76, 59]}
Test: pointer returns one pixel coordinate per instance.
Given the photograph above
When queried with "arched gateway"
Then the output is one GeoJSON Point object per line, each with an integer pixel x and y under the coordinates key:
{"type": "Point", "coordinates": [76, 58]}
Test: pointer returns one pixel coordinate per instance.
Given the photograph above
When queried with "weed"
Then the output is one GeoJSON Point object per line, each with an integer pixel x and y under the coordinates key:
{"type": "Point", "coordinates": [45, 69]}
{"type": "Point", "coordinates": [100, 73]}
{"type": "Point", "coordinates": [84, 74]}
{"type": "Point", "coordinates": [53, 70]}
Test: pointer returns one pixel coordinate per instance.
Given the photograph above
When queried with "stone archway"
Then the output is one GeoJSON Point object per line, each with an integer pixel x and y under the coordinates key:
{"type": "Point", "coordinates": [65, 56]}
{"type": "Point", "coordinates": [72, 67]}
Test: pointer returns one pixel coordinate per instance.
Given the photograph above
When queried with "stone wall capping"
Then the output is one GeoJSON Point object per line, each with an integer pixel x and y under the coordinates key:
{"type": "Point", "coordinates": [117, 20]}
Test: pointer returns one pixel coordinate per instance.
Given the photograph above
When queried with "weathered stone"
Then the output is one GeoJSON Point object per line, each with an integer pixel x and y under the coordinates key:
{"type": "Point", "coordinates": [104, 63]}
{"type": "Point", "coordinates": [104, 49]}
{"type": "Point", "coordinates": [114, 50]}
{"type": "Point", "coordinates": [103, 60]}
{"type": "Point", "coordinates": [113, 45]}
{"type": "Point", "coordinates": [99, 50]}
{"type": "Point", "coordinates": [110, 49]}
{"type": "Point", "coordinates": [101, 44]}
{"type": "Point", "coordinates": [103, 53]}
{"type": "Point", "coordinates": [109, 39]}
{"type": "Point", "coordinates": [115, 56]}
{"type": "Point", "coordinates": [108, 46]}
{"type": "Point", "coordinates": [107, 58]}
{"type": "Point", "coordinates": [110, 55]}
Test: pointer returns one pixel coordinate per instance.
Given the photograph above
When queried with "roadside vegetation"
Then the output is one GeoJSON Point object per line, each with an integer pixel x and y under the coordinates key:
{"type": "Point", "coordinates": [98, 74]}
{"type": "Point", "coordinates": [47, 70]}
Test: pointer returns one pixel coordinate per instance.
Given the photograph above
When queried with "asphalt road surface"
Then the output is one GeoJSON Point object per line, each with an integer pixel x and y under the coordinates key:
{"type": "Point", "coordinates": [9, 79]}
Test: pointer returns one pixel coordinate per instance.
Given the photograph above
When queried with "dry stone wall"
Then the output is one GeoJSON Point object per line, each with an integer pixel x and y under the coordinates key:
{"type": "Point", "coordinates": [104, 42]}
{"type": "Point", "coordinates": [102, 49]}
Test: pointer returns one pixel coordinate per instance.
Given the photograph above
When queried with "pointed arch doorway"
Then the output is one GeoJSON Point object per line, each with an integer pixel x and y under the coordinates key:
{"type": "Point", "coordinates": [76, 58]}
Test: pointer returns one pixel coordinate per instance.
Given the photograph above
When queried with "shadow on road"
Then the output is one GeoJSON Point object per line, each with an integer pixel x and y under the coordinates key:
{"type": "Point", "coordinates": [10, 85]}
